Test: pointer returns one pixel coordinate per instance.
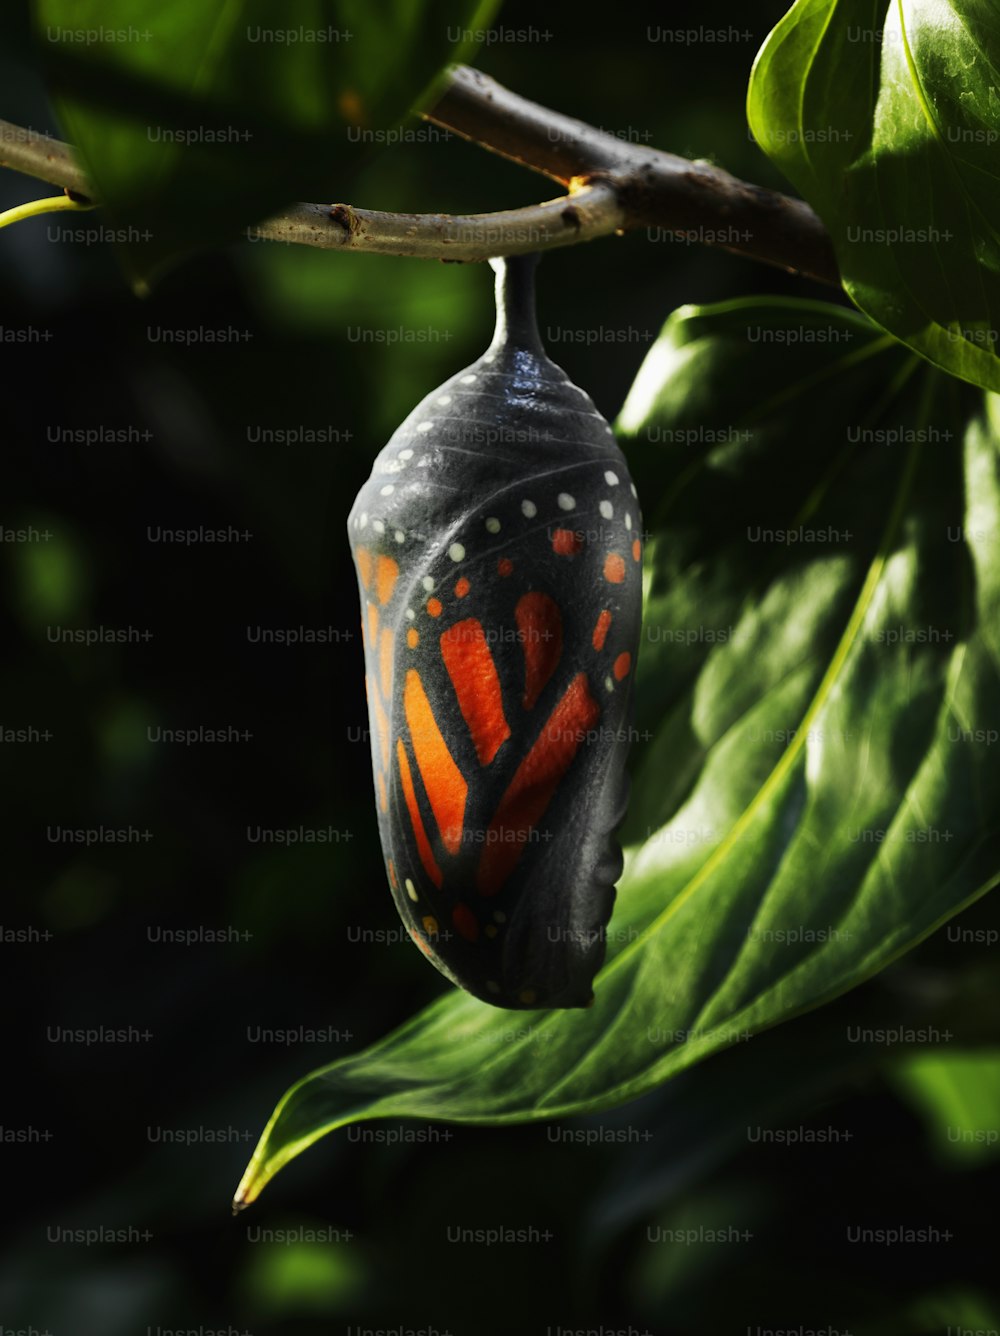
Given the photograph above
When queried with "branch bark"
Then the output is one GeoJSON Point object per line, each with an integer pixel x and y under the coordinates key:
{"type": "Point", "coordinates": [613, 186]}
{"type": "Point", "coordinates": [42, 157]}
{"type": "Point", "coordinates": [590, 211]}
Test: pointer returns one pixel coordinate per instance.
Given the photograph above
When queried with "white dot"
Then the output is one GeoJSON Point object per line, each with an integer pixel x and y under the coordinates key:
{"type": "Point", "coordinates": [406, 454]}
{"type": "Point", "coordinates": [634, 492]}
{"type": "Point", "coordinates": [607, 509]}
{"type": "Point", "coordinates": [388, 489]}
{"type": "Point", "coordinates": [609, 429]}
{"type": "Point", "coordinates": [399, 536]}
{"type": "Point", "coordinates": [529, 509]}
{"type": "Point", "coordinates": [444, 400]}
{"type": "Point", "coordinates": [489, 357]}
{"type": "Point", "coordinates": [628, 521]}
{"type": "Point", "coordinates": [410, 613]}
{"type": "Point", "coordinates": [467, 380]}
{"type": "Point", "coordinates": [456, 552]}
{"type": "Point", "coordinates": [425, 426]}
{"type": "Point", "coordinates": [423, 461]}
{"type": "Point", "coordinates": [362, 521]}
{"type": "Point", "coordinates": [566, 502]}
{"type": "Point", "coordinates": [608, 684]}
{"type": "Point", "coordinates": [493, 525]}
{"type": "Point", "coordinates": [411, 890]}
{"type": "Point", "coordinates": [378, 526]}
{"type": "Point", "coordinates": [428, 583]}
{"type": "Point", "coordinates": [611, 478]}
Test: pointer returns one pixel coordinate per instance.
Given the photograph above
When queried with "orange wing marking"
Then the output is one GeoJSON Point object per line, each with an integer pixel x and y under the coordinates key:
{"type": "Point", "coordinates": [385, 661]}
{"type": "Point", "coordinates": [446, 789]}
{"type": "Point", "coordinates": [474, 676]}
{"type": "Point", "coordinates": [540, 629]}
{"type": "Point", "coordinates": [386, 572]}
{"type": "Point", "coordinates": [381, 726]}
{"type": "Point", "coordinates": [535, 783]}
{"type": "Point", "coordinates": [566, 543]}
{"type": "Point", "coordinates": [416, 820]}
{"type": "Point", "coordinates": [614, 568]}
{"type": "Point", "coordinates": [601, 630]}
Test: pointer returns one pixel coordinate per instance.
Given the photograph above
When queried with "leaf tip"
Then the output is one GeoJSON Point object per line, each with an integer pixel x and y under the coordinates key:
{"type": "Point", "coordinates": [248, 1191]}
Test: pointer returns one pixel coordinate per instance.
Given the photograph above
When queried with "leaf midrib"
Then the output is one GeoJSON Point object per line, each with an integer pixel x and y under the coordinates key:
{"type": "Point", "coordinates": [791, 754]}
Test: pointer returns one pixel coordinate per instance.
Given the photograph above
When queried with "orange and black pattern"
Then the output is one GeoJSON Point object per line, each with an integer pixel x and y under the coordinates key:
{"type": "Point", "coordinates": [498, 552]}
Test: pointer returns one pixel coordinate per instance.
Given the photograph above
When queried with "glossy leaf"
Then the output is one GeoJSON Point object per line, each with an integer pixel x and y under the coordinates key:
{"type": "Point", "coordinates": [886, 117]}
{"type": "Point", "coordinates": [196, 120]}
{"type": "Point", "coordinates": [815, 790]}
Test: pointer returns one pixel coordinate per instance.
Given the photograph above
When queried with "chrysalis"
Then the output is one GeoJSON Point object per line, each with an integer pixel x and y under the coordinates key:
{"type": "Point", "coordinates": [497, 544]}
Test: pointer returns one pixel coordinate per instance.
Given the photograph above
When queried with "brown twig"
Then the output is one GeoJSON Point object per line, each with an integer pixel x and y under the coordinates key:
{"type": "Point", "coordinates": [613, 186]}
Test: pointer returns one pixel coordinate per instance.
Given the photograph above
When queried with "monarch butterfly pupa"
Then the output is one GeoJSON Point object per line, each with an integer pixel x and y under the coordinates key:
{"type": "Point", "coordinates": [497, 545]}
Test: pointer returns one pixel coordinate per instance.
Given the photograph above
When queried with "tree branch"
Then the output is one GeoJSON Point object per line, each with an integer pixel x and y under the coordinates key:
{"type": "Point", "coordinates": [591, 211]}
{"type": "Point", "coordinates": [695, 200]}
{"type": "Point", "coordinates": [614, 186]}
{"type": "Point", "coordinates": [42, 157]}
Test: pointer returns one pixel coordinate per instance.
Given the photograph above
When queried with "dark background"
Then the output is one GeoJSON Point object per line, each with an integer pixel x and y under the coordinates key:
{"type": "Point", "coordinates": [89, 1132]}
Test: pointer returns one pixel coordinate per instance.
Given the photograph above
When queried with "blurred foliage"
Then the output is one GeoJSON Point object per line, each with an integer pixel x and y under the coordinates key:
{"type": "Point", "coordinates": [959, 1094]}
{"type": "Point", "coordinates": [102, 1108]}
{"type": "Point", "coordinates": [194, 120]}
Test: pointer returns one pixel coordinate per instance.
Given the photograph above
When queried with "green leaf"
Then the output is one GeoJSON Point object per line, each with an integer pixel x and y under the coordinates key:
{"type": "Point", "coordinates": [815, 790]}
{"type": "Point", "coordinates": [196, 120]}
{"type": "Point", "coordinates": [958, 1308]}
{"type": "Point", "coordinates": [887, 119]}
{"type": "Point", "coordinates": [959, 1096]}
